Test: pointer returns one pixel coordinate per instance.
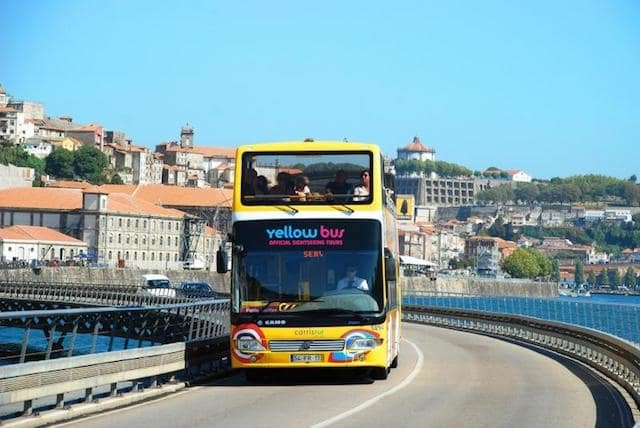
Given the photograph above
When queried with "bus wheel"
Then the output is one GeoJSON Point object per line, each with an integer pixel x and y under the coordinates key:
{"type": "Point", "coordinates": [394, 363]}
{"type": "Point", "coordinates": [255, 375]}
{"type": "Point", "coordinates": [379, 373]}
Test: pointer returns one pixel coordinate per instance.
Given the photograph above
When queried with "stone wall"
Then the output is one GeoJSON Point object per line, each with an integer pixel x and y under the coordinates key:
{"type": "Point", "coordinates": [220, 282]}
{"type": "Point", "coordinates": [488, 287]}
{"type": "Point", "coordinates": [112, 276]}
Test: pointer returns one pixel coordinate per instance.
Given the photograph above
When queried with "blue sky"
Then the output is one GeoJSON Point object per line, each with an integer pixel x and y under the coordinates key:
{"type": "Point", "coordinates": [549, 87]}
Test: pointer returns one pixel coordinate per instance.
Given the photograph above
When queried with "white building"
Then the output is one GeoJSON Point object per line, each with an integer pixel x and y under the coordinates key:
{"type": "Point", "coordinates": [518, 175]}
{"type": "Point", "coordinates": [15, 176]}
{"type": "Point", "coordinates": [618, 214]}
{"type": "Point", "coordinates": [416, 150]}
{"type": "Point", "coordinates": [27, 243]}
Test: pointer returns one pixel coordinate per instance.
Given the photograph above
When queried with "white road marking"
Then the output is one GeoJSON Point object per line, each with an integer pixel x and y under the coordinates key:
{"type": "Point", "coordinates": [372, 401]}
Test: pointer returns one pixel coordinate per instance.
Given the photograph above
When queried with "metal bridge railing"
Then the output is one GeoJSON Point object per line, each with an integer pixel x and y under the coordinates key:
{"type": "Point", "coordinates": [603, 336]}
{"type": "Point", "coordinates": [94, 294]}
{"type": "Point", "coordinates": [622, 321]}
{"type": "Point", "coordinates": [43, 335]}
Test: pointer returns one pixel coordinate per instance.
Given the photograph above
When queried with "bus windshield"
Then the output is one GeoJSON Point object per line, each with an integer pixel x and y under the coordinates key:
{"type": "Point", "coordinates": [319, 267]}
{"type": "Point", "coordinates": [306, 178]}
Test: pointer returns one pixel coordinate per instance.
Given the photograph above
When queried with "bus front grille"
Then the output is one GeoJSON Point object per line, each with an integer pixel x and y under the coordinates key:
{"type": "Point", "coordinates": [306, 345]}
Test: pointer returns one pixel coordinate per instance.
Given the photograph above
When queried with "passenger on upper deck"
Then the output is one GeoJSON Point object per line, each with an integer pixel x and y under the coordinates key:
{"type": "Point", "coordinates": [284, 186]}
{"type": "Point", "coordinates": [363, 191]}
{"type": "Point", "coordinates": [262, 185]}
{"type": "Point", "coordinates": [301, 187]}
{"type": "Point", "coordinates": [339, 185]}
{"type": "Point", "coordinates": [249, 182]}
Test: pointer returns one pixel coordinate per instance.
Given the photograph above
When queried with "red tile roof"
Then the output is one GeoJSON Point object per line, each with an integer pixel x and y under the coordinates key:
{"type": "Point", "coordinates": [417, 146]}
{"type": "Point", "coordinates": [211, 152]}
{"type": "Point", "coordinates": [174, 196]}
{"type": "Point", "coordinates": [37, 233]}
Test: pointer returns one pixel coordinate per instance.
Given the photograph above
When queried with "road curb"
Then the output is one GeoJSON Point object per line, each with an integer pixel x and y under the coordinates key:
{"type": "Point", "coordinates": [86, 409]}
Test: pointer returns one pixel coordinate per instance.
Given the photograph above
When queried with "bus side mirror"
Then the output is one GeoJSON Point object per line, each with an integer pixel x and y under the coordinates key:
{"type": "Point", "coordinates": [389, 266]}
{"type": "Point", "coordinates": [221, 261]}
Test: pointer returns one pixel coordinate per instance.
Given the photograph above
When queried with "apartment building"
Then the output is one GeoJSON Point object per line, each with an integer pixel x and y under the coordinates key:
{"type": "Point", "coordinates": [118, 229]}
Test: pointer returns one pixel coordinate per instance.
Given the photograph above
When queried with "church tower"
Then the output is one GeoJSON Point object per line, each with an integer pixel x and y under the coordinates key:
{"type": "Point", "coordinates": [186, 137]}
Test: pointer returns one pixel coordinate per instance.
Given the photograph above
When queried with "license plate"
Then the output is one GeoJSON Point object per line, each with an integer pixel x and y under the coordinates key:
{"type": "Point", "coordinates": [306, 358]}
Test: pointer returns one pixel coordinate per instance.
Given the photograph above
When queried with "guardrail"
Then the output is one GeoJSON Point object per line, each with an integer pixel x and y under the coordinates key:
{"type": "Point", "coordinates": [71, 332]}
{"type": "Point", "coordinates": [542, 322]}
{"type": "Point", "coordinates": [94, 294]}
{"type": "Point", "coordinates": [120, 344]}
{"type": "Point", "coordinates": [622, 321]}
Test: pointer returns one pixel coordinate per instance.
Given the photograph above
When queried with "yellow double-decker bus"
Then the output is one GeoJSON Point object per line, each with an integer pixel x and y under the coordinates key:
{"type": "Point", "coordinates": [314, 249]}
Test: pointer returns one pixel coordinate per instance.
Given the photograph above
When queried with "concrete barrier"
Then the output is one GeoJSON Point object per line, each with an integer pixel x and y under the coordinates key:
{"type": "Point", "coordinates": [482, 286]}
{"type": "Point", "coordinates": [113, 276]}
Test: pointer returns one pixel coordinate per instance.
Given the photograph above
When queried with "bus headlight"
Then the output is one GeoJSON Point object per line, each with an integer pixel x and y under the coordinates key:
{"type": "Point", "coordinates": [364, 344]}
{"type": "Point", "coordinates": [249, 345]}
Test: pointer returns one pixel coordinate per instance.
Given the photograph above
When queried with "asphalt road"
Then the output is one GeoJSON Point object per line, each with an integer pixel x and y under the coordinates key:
{"type": "Point", "coordinates": [447, 379]}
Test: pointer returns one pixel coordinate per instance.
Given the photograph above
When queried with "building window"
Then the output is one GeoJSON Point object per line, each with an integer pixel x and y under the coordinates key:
{"type": "Point", "coordinates": [126, 255]}
{"type": "Point", "coordinates": [127, 239]}
{"type": "Point", "coordinates": [161, 241]}
{"type": "Point", "coordinates": [160, 256]}
{"type": "Point", "coordinates": [110, 255]}
{"type": "Point", "coordinates": [9, 248]}
{"type": "Point", "coordinates": [110, 238]}
{"type": "Point", "coordinates": [153, 225]}
{"type": "Point", "coordinates": [135, 239]}
{"type": "Point", "coordinates": [168, 256]}
{"type": "Point", "coordinates": [119, 222]}
{"type": "Point", "coordinates": [153, 240]}
{"type": "Point", "coordinates": [119, 255]}
{"type": "Point", "coordinates": [144, 256]}
{"type": "Point", "coordinates": [144, 224]}
{"type": "Point", "coordinates": [128, 222]}
{"type": "Point", "coordinates": [161, 225]}
{"type": "Point", "coordinates": [144, 240]}
{"type": "Point", "coordinates": [119, 239]}
{"type": "Point", "coordinates": [135, 255]}
{"type": "Point", "coordinates": [175, 257]}
{"type": "Point", "coordinates": [176, 241]}
{"type": "Point", "coordinates": [111, 222]}
{"type": "Point", "coordinates": [136, 223]}
{"type": "Point", "coordinates": [169, 225]}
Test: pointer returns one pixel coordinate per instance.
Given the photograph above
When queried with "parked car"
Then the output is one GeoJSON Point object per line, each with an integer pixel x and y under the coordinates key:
{"type": "Point", "coordinates": [196, 289]}
{"type": "Point", "coordinates": [156, 285]}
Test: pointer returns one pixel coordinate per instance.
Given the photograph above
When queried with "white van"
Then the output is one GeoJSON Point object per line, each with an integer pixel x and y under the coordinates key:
{"type": "Point", "coordinates": [156, 285]}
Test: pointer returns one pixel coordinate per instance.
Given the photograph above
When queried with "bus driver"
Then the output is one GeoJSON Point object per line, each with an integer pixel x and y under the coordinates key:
{"type": "Point", "coordinates": [352, 281]}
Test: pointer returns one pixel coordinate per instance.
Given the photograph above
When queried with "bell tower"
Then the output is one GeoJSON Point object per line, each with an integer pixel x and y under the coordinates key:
{"type": "Point", "coordinates": [186, 137]}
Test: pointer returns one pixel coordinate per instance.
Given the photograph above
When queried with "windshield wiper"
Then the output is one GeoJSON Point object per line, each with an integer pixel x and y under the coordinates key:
{"type": "Point", "coordinates": [346, 210]}
{"type": "Point", "coordinates": [291, 210]}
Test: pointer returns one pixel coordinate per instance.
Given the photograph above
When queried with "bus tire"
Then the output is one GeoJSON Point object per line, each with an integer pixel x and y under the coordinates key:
{"type": "Point", "coordinates": [394, 363]}
{"type": "Point", "coordinates": [379, 373]}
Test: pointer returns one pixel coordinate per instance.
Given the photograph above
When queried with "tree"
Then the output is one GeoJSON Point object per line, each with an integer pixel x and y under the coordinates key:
{"type": "Point", "coordinates": [614, 278]}
{"type": "Point", "coordinates": [591, 279]}
{"type": "Point", "coordinates": [17, 156]}
{"type": "Point", "coordinates": [630, 277]}
{"type": "Point", "coordinates": [527, 263]}
{"type": "Point", "coordinates": [603, 278]}
{"type": "Point", "coordinates": [89, 164]}
{"type": "Point", "coordinates": [579, 276]}
{"type": "Point", "coordinates": [633, 178]}
{"type": "Point", "coordinates": [60, 164]}
{"type": "Point", "coordinates": [555, 270]}
{"type": "Point", "coordinates": [116, 179]}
